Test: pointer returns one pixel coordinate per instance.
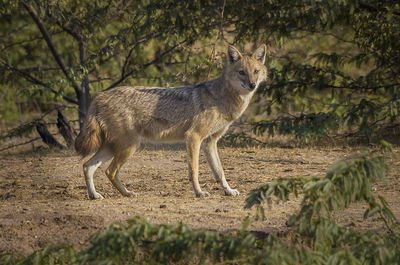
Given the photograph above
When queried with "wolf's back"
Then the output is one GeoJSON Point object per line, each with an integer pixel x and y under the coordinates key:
{"type": "Point", "coordinates": [90, 137]}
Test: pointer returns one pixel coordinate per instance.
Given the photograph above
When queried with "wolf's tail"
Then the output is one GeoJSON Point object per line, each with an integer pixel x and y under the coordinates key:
{"type": "Point", "coordinates": [90, 137]}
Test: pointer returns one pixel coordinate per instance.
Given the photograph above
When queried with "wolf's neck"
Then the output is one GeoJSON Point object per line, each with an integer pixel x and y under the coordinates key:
{"type": "Point", "coordinates": [236, 103]}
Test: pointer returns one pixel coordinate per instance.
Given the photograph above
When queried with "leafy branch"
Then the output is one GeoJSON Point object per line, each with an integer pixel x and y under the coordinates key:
{"type": "Point", "coordinates": [346, 182]}
{"type": "Point", "coordinates": [305, 127]}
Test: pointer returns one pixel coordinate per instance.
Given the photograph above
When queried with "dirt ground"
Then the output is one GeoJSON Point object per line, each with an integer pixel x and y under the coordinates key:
{"type": "Point", "coordinates": [43, 195]}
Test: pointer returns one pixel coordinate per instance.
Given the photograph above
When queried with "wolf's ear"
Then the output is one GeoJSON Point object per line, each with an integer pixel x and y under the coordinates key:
{"type": "Point", "coordinates": [259, 54]}
{"type": "Point", "coordinates": [233, 54]}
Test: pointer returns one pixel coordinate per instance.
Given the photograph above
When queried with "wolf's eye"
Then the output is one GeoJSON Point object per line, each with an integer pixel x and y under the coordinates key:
{"type": "Point", "coordinates": [241, 72]}
{"type": "Point", "coordinates": [256, 71]}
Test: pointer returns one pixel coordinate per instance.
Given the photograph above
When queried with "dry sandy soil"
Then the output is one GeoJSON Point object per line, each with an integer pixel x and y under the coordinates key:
{"type": "Point", "coordinates": [43, 194]}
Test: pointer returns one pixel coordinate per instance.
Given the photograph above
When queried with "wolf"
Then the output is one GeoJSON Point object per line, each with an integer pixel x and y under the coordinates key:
{"type": "Point", "coordinates": [120, 119]}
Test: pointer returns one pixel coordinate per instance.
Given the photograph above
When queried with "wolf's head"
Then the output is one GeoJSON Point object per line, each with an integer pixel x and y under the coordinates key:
{"type": "Point", "coordinates": [245, 73]}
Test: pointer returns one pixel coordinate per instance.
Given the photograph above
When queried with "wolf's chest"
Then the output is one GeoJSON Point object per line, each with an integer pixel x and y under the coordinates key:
{"type": "Point", "coordinates": [218, 125]}
{"type": "Point", "coordinates": [237, 110]}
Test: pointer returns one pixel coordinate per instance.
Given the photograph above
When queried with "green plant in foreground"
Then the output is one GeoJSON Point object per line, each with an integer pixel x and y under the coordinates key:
{"type": "Point", "coordinates": [346, 181]}
{"type": "Point", "coordinates": [315, 238]}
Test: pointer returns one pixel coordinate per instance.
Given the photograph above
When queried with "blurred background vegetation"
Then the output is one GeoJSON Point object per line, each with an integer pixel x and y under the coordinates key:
{"type": "Point", "coordinates": [333, 64]}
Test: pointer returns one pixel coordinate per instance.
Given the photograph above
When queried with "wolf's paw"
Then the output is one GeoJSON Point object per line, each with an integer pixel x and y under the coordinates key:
{"type": "Point", "coordinates": [232, 192]}
{"type": "Point", "coordinates": [202, 194]}
{"type": "Point", "coordinates": [96, 196]}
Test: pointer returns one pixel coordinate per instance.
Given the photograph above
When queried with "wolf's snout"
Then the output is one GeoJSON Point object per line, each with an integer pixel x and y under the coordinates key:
{"type": "Point", "coordinates": [252, 86]}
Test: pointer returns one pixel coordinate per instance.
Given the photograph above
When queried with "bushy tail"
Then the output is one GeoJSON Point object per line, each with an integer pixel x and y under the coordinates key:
{"type": "Point", "coordinates": [90, 137]}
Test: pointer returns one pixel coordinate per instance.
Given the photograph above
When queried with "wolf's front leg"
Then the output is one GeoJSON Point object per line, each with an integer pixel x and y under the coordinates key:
{"type": "Point", "coordinates": [211, 152]}
{"type": "Point", "coordinates": [193, 143]}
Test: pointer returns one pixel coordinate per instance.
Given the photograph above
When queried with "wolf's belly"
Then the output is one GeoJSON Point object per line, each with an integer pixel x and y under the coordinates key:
{"type": "Point", "coordinates": [158, 130]}
{"type": "Point", "coordinates": [163, 131]}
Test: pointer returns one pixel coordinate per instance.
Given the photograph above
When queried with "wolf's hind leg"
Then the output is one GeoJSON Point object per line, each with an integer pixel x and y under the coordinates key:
{"type": "Point", "coordinates": [120, 157]}
{"type": "Point", "coordinates": [103, 155]}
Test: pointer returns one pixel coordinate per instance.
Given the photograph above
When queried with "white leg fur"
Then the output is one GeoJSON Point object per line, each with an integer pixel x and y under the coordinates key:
{"type": "Point", "coordinates": [103, 155]}
{"type": "Point", "coordinates": [211, 152]}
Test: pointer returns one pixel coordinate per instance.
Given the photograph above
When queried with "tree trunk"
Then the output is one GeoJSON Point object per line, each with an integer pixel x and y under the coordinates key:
{"type": "Point", "coordinates": [83, 95]}
{"type": "Point", "coordinates": [83, 102]}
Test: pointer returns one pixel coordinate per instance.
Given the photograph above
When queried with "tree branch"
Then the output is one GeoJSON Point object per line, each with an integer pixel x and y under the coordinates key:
{"type": "Point", "coordinates": [67, 29]}
{"type": "Point", "coordinates": [35, 81]}
{"type": "Point", "coordinates": [127, 58]}
{"type": "Point", "coordinates": [373, 8]}
{"type": "Point", "coordinates": [33, 13]}
{"type": "Point", "coordinates": [24, 143]}
{"type": "Point", "coordinates": [144, 66]}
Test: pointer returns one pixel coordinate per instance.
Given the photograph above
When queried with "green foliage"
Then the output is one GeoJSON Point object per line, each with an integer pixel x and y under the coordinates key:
{"type": "Point", "coordinates": [280, 188]}
{"type": "Point", "coordinates": [22, 130]}
{"type": "Point", "coordinates": [51, 254]}
{"type": "Point", "coordinates": [305, 127]}
{"type": "Point", "coordinates": [164, 243]}
{"type": "Point", "coordinates": [70, 49]}
{"type": "Point", "coordinates": [337, 60]}
{"type": "Point", "coordinates": [346, 181]}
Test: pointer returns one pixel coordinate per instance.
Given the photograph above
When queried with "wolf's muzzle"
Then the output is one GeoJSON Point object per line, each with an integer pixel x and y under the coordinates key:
{"type": "Point", "coordinates": [252, 86]}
